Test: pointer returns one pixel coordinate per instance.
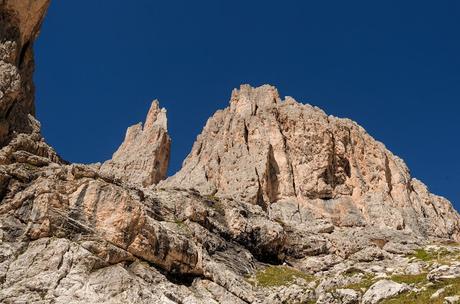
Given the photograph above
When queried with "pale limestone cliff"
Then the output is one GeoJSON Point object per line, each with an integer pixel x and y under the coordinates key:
{"type": "Point", "coordinates": [274, 152]}
{"type": "Point", "coordinates": [19, 25]}
{"type": "Point", "coordinates": [295, 207]}
{"type": "Point", "coordinates": [143, 157]}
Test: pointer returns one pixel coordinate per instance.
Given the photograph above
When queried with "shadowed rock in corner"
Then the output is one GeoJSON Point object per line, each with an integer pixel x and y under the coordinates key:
{"type": "Point", "coordinates": [143, 157]}
{"type": "Point", "coordinates": [19, 25]}
{"type": "Point", "coordinates": [20, 138]}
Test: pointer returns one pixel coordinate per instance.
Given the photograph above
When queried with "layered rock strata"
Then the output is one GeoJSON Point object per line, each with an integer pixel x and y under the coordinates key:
{"type": "Point", "coordinates": [277, 203]}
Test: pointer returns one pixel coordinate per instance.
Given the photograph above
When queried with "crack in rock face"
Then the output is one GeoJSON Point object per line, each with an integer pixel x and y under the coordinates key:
{"type": "Point", "coordinates": [276, 203]}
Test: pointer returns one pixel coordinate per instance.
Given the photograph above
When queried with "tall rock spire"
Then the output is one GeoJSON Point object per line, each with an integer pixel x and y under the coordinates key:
{"type": "Point", "coordinates": [143, 157]}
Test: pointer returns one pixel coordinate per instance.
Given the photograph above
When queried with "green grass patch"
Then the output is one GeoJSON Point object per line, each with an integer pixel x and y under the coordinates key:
{"type": "Point", "coordinates": [423, 255]}
{"type": "Point", "coordinates": [442, 255]}
{"type": "Point", "coordinates": [424, 296]}
{"type": "Point", "coordinates": [410, 279]}
{"type": "Point", "coordinates": [367, 281]}
{"type": "Point", "coordinates": [273, 276]}
{"type": "Point", "coordinates": [352, 271]}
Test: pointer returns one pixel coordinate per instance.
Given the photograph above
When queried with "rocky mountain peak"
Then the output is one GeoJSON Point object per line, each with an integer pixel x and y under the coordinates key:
{"type": "Point", "coordinates": [274, 152]}
{"type": "Point", "coordinates": [156, 117]}
{"type": "Point", "coordinates": [276, 203]}
{"type": "Point", "coordinates": [143, 157]}
{"type": "Point", "coordinates": [247, 100]}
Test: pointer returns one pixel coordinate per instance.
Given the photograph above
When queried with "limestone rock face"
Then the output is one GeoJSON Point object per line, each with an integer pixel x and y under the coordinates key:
{"type": "Point", "coordinates": [19, 25]}
{"type": "Point", "coordinates": [383, 290]}
{"type": "Point", "coordinates": [267, 151]}
{"type": "Point", "coordinates": [143, 157]}
{"type": "Point", "coordinates": [277, 203]}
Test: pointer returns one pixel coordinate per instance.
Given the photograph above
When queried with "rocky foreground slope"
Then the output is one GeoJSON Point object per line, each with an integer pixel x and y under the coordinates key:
{"type": "Point", "coordinates": [276, 203]}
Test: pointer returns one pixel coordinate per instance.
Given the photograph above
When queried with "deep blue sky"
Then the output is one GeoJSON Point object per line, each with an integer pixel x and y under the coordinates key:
{"type": "Point", "coordinates": [392, 66]}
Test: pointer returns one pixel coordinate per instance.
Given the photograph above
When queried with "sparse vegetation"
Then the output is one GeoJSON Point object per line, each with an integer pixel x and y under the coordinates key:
{"type": "Point", "coordinates": [183, 226]}
{"type": "Point", "coordinates": [441, 255]}
{"type": "Point", "coordinates": [450, 243]}
{"type": "Point", "coordinates": [214, 203]}
{"type": "Point", "coordinates": [212, 198]}
{"type": "Point", "coordinates": [426, 288]}
{"type": "Point", "coordinates": [367, 281]}
{"type": "Point", "coordinates": [423, 255]}
{"type": "Point", "coordinates": [352, 271]}
{"type": "Point", "coordinates": [179, 223]}
{"type": "Point", "coordinates": [278, 276]}
{"type": "Point", "coordinates": [410, 279]}
{"type": "Point", "coordinates": [452, 288]}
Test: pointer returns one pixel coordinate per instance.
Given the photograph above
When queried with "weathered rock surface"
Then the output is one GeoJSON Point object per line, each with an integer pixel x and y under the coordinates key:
{"type": "Point", "coordinates": [143, 157]}
{"type": "Point", "coordinates": [452, 300]}
{"type": "Point", "coordinates": [19, 25]}
{"type": "Point", "coordinates": [277, 203]}
{"type": "Point", "coordinates": [265, 150]}
{"type": "Point", "coordinates": [340, 296]}
{"type": "Point", "coordinates": [445, 272]}
{"type": "Point", "coordinates": [383, 289]}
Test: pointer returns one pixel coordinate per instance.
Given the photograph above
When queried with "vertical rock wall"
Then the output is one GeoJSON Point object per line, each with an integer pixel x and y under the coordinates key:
{"type": "Point", "coordinates": [267, 151]}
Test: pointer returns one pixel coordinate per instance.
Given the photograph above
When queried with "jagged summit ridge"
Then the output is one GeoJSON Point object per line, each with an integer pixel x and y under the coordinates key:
{"type": "Point", "coordinates": [310, 224]}
{"type": "Point", "coordinates": [271, 152]}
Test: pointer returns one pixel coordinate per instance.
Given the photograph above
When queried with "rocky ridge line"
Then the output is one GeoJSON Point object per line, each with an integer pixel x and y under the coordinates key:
{"type": "Point", "coordinates": [276, 153]}
{"type": "Point", "coordinates": [72, 233]}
